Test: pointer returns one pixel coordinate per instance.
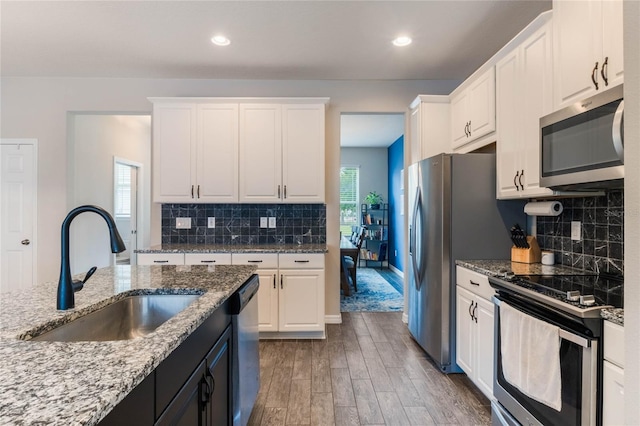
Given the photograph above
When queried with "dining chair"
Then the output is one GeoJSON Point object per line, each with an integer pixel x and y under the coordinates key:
{"type": "Point", "coordinates": [350, 263]}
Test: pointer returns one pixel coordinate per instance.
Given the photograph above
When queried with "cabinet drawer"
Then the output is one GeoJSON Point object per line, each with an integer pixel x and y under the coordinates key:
{"type": "Point", "coordinates": [614, 343]}
{"type": "Point", "coordinates": [261, 260]}
{"type": "Point", "coordinates": [301, 261]}
{"type": "Point", "coordinates": [475, 282]}
{"type": "Point", "coordinates": [160, 258]}
{"type": "Point", "coordinates": [207, 259]}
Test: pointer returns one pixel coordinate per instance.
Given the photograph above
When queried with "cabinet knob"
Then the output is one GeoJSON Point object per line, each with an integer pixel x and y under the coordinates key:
{"type": "Point", "coordinates": [25, 242]}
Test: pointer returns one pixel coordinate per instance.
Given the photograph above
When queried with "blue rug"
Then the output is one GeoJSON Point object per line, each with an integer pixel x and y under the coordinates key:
{"type": "Point", "coordinates": [374, 294]}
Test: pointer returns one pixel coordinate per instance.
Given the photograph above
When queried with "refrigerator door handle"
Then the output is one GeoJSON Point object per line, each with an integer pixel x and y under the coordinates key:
{"type": "Point", "coordinates": [412, 240]}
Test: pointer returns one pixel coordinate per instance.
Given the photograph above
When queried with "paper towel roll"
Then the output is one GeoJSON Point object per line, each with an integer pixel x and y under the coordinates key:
{"type": "Point", "coordinates": [543, 208]}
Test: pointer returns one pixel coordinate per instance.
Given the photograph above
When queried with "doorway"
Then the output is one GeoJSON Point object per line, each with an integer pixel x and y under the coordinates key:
{"type": "Point", "coordinates": [371, 160]}
{"type": "Point", "coordinates": [18, 213]}
{"type": "Point", "coordinates": [125, 212]}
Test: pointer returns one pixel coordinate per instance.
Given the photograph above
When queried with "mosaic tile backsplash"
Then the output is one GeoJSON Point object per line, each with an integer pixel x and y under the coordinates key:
{"type": "Point", "coordinates": [240, 224]}
{"type": "Point", "coordinates": [602, 244]}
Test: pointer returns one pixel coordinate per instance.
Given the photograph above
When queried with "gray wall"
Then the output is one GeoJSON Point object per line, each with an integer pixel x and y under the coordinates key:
{"type": "Point", "coordinates": [38, 108]}
{"type": "Point", "coordinates": [373, 169]}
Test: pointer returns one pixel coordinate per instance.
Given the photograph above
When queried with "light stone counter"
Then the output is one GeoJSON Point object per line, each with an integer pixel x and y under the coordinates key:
{"type": "Point", "coordinates": [78, 383]}
{"type": "Point", "coordinates": [498, 267]}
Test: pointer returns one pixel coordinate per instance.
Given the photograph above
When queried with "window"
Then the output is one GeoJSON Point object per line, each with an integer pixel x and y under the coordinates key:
{"type": "Point", "coordinates": [349, 207]}
{"type": "Point", "coordinates": [123, 190]}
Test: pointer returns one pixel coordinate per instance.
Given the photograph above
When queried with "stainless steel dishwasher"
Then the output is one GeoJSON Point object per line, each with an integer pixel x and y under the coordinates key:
{"type": "Point", "coordinates": [246, 357]}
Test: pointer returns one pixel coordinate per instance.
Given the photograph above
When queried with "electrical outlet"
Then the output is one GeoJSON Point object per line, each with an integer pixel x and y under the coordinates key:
{"type": "Point", "coordinates": [272, 222]}
{"type": "Point", "coordinates": [263, 222]}
{"type": "Point", "coordinates": [211, 222]}
{"type": "Point", "coordinates": [576, 231]}
{"type": "Point", "coordinates": [183, 223]}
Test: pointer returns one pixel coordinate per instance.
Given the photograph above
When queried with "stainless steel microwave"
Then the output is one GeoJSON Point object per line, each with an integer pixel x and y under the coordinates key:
{"type": "Point", "coordinates": [582, 146]}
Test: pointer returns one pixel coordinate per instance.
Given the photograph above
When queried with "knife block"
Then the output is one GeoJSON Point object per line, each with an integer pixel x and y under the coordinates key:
{"type": "Point", "coordinates": [527, 255]}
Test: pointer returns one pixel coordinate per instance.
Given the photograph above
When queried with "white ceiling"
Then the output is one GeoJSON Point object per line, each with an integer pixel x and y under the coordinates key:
{"type": "Point", "coordinates": [293, 40]}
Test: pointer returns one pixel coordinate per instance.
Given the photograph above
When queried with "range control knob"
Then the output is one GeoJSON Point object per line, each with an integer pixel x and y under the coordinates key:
{"type": "Point", "coordinates": [573, 296]}
{"type": "Point", "coordinates": [587, 300]}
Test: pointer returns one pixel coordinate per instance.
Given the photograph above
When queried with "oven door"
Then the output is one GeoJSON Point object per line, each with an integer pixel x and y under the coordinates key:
{"type": "Point", "coordinates": [578, 366]}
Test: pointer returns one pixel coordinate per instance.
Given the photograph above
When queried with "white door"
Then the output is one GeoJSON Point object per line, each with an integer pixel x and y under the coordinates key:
{"type": "Point", "coordinates": [126, 182]}
{"type": "Point", "coordinates": [18, 191]}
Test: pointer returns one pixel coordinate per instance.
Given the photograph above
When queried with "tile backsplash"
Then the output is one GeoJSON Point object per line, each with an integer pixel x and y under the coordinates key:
{"type": "Point", "coordinates": [240, 224]}
{"type": "Point", "coordinates": [601, 247]}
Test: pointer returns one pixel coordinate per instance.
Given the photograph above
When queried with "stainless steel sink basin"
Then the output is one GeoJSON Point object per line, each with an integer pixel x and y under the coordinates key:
{"type": "Point", "coordinates": [128, 318]}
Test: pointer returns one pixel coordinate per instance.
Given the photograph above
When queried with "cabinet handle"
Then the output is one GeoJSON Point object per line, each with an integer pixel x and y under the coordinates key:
{"type": "Point", "coordinates": [474, 283]}
{"type": "Point", "coordinates": [278, 191]}
{"type": "Point", "coordinates": [198, 191]}
{"type": "Point", "coordinates": [594, 76]}
{"type": "Point", "coordinates": [285, 191]}
{"type": "Point", "coordinates": [470, 314]}
{"type": "Point", "coordinates": [205, 392]}
{"type": "Point", "coordinates": [207, 261]}
{"type": "Point", "coordinates": [475, 317]}
{"type": "Point", "coordinates": [469, 128]}
{"type": "Point", "coordinates": [604, 71]}
{"type": "Point", "coordinates": [466, 131]}
{"type": "Point", "coordinates": [160, 261]}
{"type": "Point", "coordinates": [254, 261]}
{"type": "Point", "coordinates": [281, 286]}
{"type": "Point", "coordinates": [191, 191]}
{"type": "Point", "coordinates": [274, 280]}
{"type": "Point", "coordinates": [514, 180]}
{"type": "Point", "coordinates": [301, 261]}
{"type": "Point", "coordinates": [520, 180]}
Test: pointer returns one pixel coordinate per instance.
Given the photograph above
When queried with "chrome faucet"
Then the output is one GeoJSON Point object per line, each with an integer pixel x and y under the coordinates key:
{"type": "Point", "coordinates": [66, 286]}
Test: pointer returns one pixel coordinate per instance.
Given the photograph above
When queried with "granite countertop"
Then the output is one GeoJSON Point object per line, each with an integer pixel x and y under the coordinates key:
{"type": "Point", "coordinates": [233, 248]}
{"type": "Point", "coordinates": [498, 267]}
{"type": "Point", "coordinates": [78, 383]}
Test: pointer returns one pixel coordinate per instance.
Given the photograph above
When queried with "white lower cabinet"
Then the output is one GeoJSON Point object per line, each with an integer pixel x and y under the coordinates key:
{"type": "Point", "coordinates": [207, 258]}
{"type": "Point", "coordinates": [291, 295]}
{"type": "Point", "coordinates": [474, 328]}
{"type": "Point", "coordinates": [160, 258]}
{"type": "Point", "coordinates": [613, 375]}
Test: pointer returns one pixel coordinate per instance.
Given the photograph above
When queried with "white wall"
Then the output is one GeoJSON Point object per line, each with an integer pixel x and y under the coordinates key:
{"type": "Point", "coordinates": [632, 211]}
{"type": "Point", "coordinates": [94, 140]}
{"type": "Point", "coordinates": [374, 169]}
{"type": "Point", "coordinates": [38, 108]}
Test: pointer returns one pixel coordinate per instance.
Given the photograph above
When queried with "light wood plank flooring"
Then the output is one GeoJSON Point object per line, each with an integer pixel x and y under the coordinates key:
{"type": "Point", "coordinates": [367, 372]}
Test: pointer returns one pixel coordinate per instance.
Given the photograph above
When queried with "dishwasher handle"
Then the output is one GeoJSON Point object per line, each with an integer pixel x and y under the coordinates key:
{"type": "Point", "coordinates": [244, 294]}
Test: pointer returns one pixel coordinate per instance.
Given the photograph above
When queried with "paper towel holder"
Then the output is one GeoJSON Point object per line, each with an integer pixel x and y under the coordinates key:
{"type": "Point", "coordinates": [543, 208]}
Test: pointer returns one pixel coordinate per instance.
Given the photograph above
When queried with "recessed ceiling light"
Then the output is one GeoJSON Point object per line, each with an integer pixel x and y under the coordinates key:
{"type": "Point", "coordinates": [402, 41]}
{"type": "Point", "coordinates": [220, 40]}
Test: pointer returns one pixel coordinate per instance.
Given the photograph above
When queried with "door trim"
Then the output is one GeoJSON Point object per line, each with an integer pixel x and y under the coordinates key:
{"type": "Point", "coordinates": [34, 242]}
{"type": "Point", "coordinates": [139, 196]}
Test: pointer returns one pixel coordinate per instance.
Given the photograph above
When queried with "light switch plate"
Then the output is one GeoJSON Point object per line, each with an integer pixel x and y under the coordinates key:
{"type": "Point", "coordinates": [576, 230]}
{"type": "Point", "coordinates": [263, 222]}
{"type": "Point", "coordinates": [183, 223]}
{"type": "Point", "coordinates": [272, 222]}
{"type": "Point", "coordinates": [211, 222]}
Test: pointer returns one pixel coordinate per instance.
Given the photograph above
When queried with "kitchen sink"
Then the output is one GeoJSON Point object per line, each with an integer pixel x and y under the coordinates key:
{"type": "Point", "coordinates": [128, 318]}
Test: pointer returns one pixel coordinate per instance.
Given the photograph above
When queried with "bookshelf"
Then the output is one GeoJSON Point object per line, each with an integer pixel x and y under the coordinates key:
{"type": "Point", "coordinates": [375, 247]}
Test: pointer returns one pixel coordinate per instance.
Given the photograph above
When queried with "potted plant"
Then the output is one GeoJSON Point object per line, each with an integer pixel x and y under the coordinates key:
{"type": "Point", "coordinates": [373, 199]}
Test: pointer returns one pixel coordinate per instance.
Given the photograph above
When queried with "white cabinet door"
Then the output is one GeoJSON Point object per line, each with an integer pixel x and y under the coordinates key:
{"type": "Point", "coordinates": [268, 300]}
{"type": "Point", "coordinates": [613, 395]}
{"type": "Point", "coordinates": [301, 300]}
{"type": "Point", "coordinates": [217, 153]}
{"type": "Point", "coordinates": [303, 153]}
{"type": "Point", "coordinates": [429, 127]}
{"type": "Point", "coordinates": [415, 136]}
{"type": "Point", "coordinates": [174, 141]}
{"type": "Point", "coordinates": [612, 42]}
{"type": "Point", "coordinates": [482, 105]}
{"type": "Point", "coordinates": [460, 119]}
{"type": "Point", "coordinates": [465, 336]}
{"type": "Point", "coordinates": [484, 313]}
{"type": "Point", "coordinates": [260, 153]}
{"type": "Point", "coordinates": [207, 259]}
{"type": "Point", "coordinates": [508, 147]}
{"type": "Point", "coordinates": [160, 258]}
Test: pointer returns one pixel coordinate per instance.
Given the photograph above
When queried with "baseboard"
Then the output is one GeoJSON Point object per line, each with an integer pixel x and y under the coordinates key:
{"type": "Point", "coordinates": [405, 318]}
{"type": "Point", "coordinates": [288, 335]}
{"type": "Point", "coordinates": [333, 319]}
{"type": "Point", "coordinates": [397, 271]}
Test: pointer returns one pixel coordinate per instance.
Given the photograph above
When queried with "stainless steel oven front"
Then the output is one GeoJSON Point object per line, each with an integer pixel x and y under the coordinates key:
{"type": "Point", "coordinates": [579, 355]}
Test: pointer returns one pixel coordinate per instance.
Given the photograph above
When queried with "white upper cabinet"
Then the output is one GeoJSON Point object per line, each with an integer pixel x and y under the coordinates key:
{"type": "Point", "coordinates": [195, 153]}
{"type": "Point", "coordinates": [429, 129]}
{"type": "Point", "coordinates": [260, 153]}
{"type": "Point", "coordinates": [523, 95]}
{"type": "Point", "coordinates": [473, 110]}
{"type": "Point", "coordinates": [588, 48]}
{"type": "Point", "coordinates": [282, 153]}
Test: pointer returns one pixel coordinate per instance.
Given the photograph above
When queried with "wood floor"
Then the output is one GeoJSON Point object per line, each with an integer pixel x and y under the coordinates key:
{"type": "Point", "coordinates": [367, 372]}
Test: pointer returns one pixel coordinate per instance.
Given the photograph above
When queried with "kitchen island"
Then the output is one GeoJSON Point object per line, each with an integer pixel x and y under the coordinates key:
{"type": "Point", "coordinates": [79, 383]}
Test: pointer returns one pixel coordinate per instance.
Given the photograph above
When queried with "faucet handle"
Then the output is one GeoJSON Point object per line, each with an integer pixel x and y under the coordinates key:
{"type": "Point", "coordinates": [78, 285]}
{"type": "Point", "coordinates": [89, 273]}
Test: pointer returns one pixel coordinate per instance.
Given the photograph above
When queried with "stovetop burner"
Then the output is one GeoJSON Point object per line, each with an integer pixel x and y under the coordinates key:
{"type": "Point", "coordinates": [581, 295]}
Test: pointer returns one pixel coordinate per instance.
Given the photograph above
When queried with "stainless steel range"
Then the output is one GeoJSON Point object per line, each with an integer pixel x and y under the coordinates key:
{"type": "Point", "coordinates": [572, 303]}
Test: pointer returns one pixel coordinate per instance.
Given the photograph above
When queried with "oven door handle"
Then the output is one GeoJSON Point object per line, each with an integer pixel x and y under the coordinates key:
{"type": "Point", "coordinates": [562, 333]}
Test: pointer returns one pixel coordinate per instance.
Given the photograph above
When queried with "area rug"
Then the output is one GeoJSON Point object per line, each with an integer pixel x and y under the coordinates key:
{"type": "Point", "coordinates": [374, 294]}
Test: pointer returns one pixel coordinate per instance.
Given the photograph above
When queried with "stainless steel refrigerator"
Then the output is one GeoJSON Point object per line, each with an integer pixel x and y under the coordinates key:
{"type": "Point", "coordinates": [453, 214]}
